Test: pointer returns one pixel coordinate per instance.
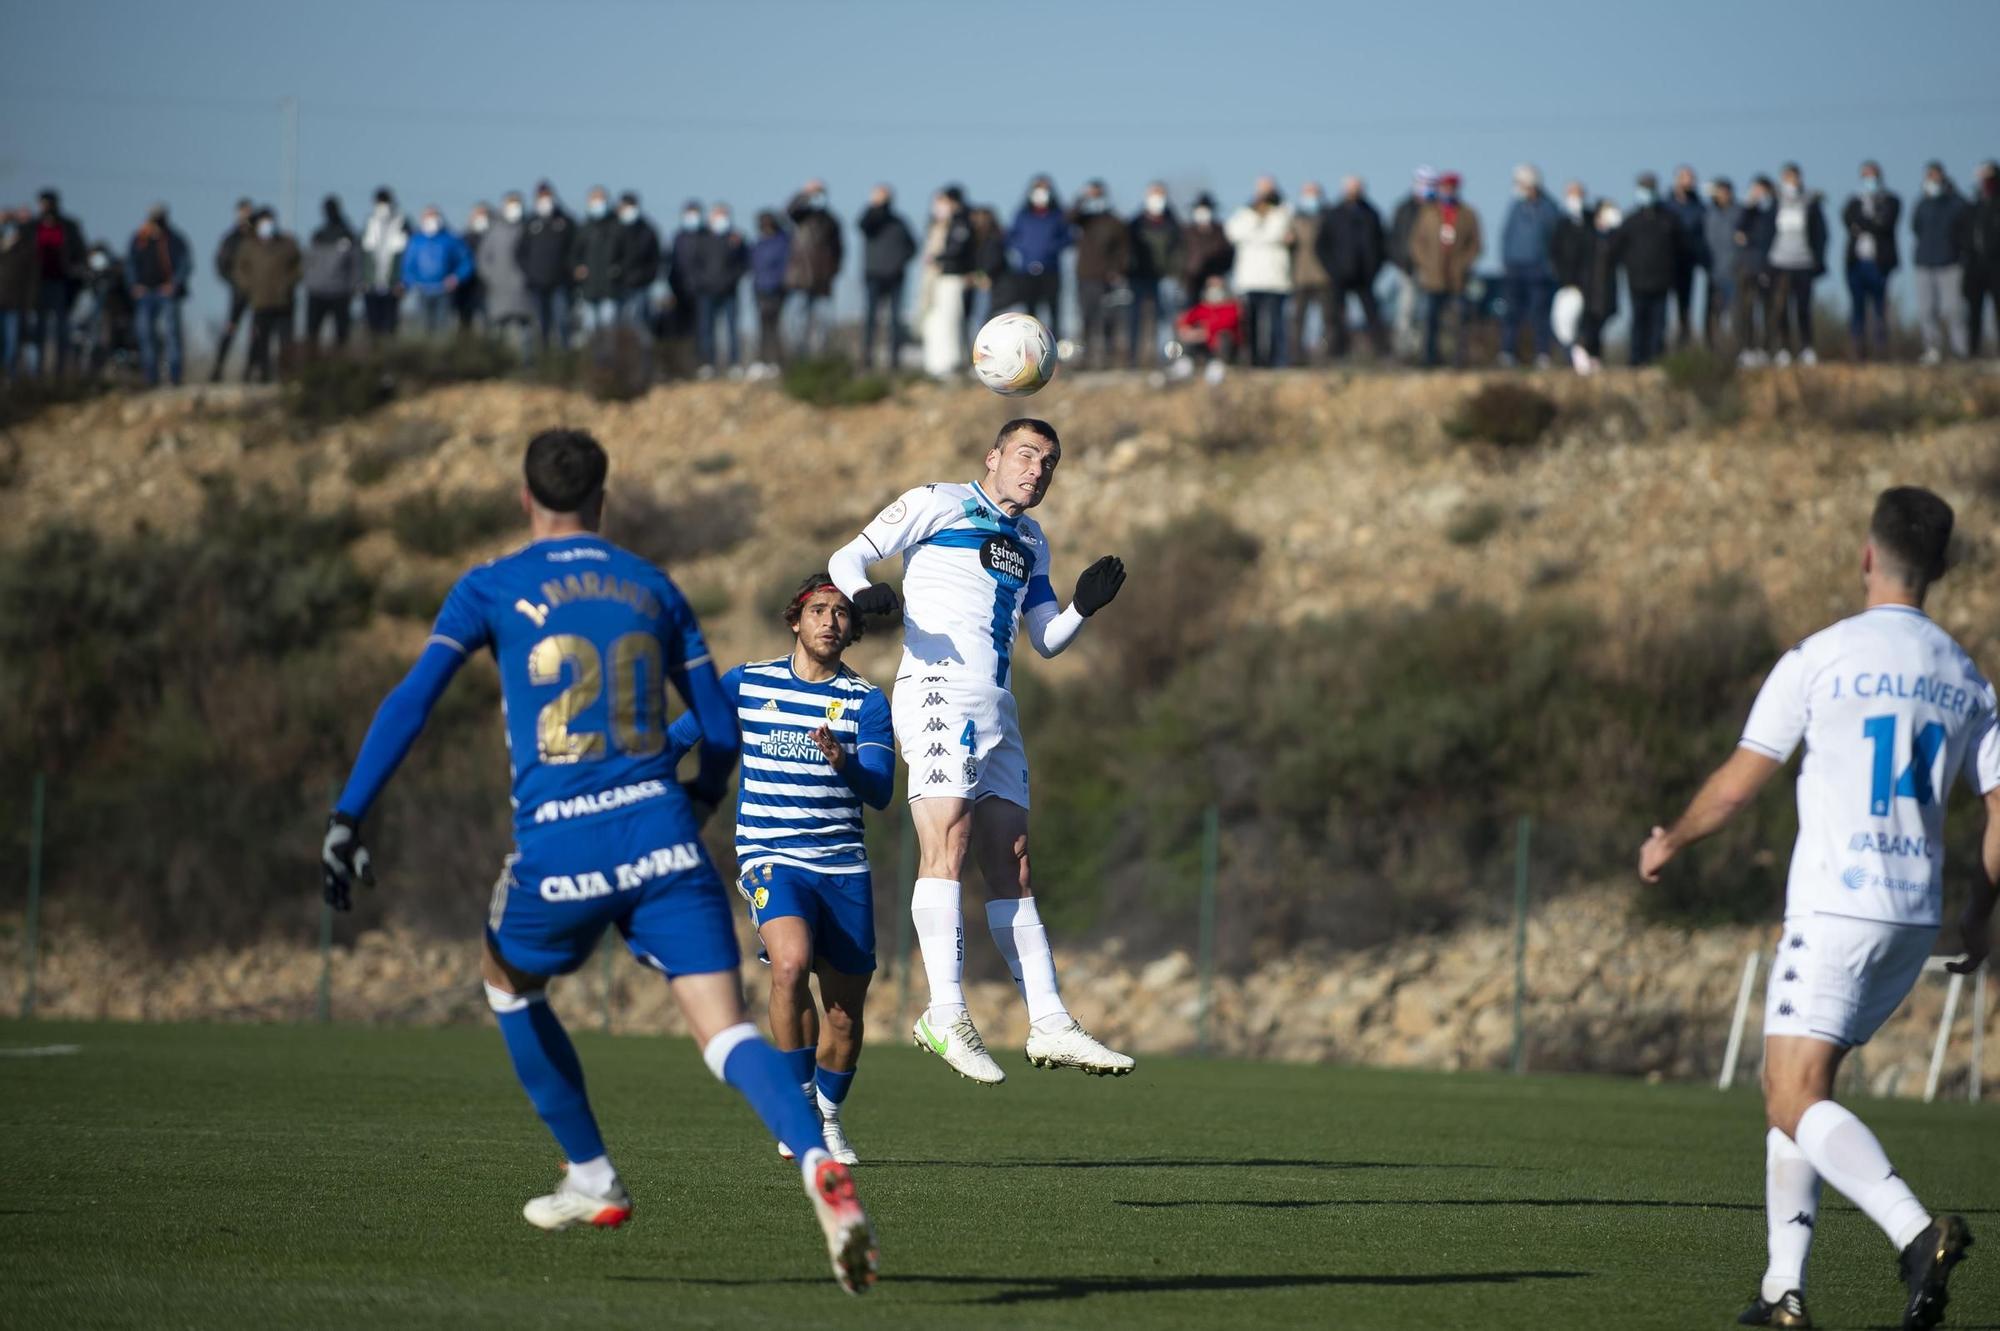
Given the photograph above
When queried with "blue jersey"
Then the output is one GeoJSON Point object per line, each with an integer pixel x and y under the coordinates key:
{"type": "Point", "coordinates": [792, 807]}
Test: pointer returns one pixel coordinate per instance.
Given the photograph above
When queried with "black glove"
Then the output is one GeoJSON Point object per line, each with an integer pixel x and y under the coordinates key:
{"type": "Point", "coordinates": [343, 859]}
{"type": "Point", "coordinates": [1097, 585]}
{"type": "Point", "coordinates": [878, 598]}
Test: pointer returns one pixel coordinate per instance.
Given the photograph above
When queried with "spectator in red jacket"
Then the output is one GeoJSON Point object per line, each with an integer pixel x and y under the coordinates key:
{"type": "Point", "coordinates": [1213, 328]}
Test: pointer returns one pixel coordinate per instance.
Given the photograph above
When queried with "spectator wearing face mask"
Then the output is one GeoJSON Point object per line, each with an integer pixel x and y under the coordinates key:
{"type": "Point", "coordinates": [64, 266]}
{"type": "Point", "coordinates": [20, 272]}
{"type": "Point", "coordinates": [468, 299]}
{"type": "Point", "coordinates": [597, 262]}
{"type": "Point", "coordinates": [1797, 258]}
{"type": "Point", "coordinates": [1527, 283]}
{"type": "Point", "coordinates": [383, 238]}
{"type": "Point", "coordinates": [496, 253]}
{"type": "Point", "coordinates": [1569, 257]}
{"type": "Point", "coordinates": [1719, 226]}
{"type": "Point", "coordinates": [1156, 248]}
{"type": "Point", "coordinates": [543, 253]}
{"type": "Point", "coordinates": [1036, 239]}
{"type": "Point", "coordinates": [1352, 249]}
{"type": "Point", "coordinates": [948, 265]}
{"type": "Point", "coordinates": [1603, 253]}
{"type": "Point", "coordinates": [886, 250]}
{"type": "Point", "coordinates": [1691, 253]}
{"type": "Point", "coordinates": [680, 322]}
{"type": "Point", "coordinates": [1261, 232]}
{"type": "Point", "coordinates": [1651, 238]}
{"type": "Point", "coordinates": [1755, 318]}
{"type": "Point", "coordinates": [1423, 190]}
{"type": "Point", "coordinates": [817, 252]}
{"type": "Point", "coordinates": [720, 260]}
{"type": "Point", "coordinates": [641, 265]}
{"type": "Point", "coordinates": [158, 265]}
{"type": "Point", "coordinates": [436, 263]}
{"type": "Point", "coordinates": [1940, 223]}
{"type": "Point", "coordinates": [1312, 286]}
{"type": "Point", "coordinates": [770, 256]}
{"type": "Point", "coordinates": [1212, 328]}
{"type": "Point", "coordinates": [1869, 218]}
{"type": "Point", "coordinates": [268, 268]}
{"type": "Point", "coordinates": [332, 276]}
{"type": "Point", "coordinates": [1103, 258]}
{"type": "Point", "coordinates": [1982, 254]}
{"type": "Point", "coordinates": [1206, 251]}
{"type": "Point", "coordinates": [104, 326]}
{"type": "Point", "coordinates": [1445, 244]}
{"type": "Point", "coordinates": [241, 228]}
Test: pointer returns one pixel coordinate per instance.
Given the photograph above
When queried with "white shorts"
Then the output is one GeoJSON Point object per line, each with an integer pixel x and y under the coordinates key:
{"type": "Point", "coordinates": [961, 737]}
{"type": "Point", "coordinates": [1836, 978]}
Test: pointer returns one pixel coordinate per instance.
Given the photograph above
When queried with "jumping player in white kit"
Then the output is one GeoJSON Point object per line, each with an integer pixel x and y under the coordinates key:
{"type": "Point", "coordinates": [1891, 711]}
{"type": "Point", "coordinates": [974, 564]}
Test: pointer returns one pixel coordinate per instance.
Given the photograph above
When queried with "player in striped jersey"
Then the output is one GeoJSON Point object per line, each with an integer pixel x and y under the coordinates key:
{"type": "Point", "coordinates": [816, 746]}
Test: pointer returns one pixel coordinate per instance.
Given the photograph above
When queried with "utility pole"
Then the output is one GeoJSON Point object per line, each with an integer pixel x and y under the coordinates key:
{"type": "Point", "coordinates": [288, 157]}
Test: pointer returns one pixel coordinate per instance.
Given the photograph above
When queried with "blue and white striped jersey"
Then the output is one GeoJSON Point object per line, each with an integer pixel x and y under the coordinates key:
{"type": "Point", "coordinates": [792, 807]}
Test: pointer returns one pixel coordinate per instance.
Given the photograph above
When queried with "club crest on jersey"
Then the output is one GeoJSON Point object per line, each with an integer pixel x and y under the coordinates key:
{"type": "Point", "coordinates": [761, 898]}
{"type": "Point", "coordinates": [971, 771]}
{"type": "Point", "coordinates": [835, 708]}
{"type": "Point", "coordinates": [895, 513]}
{"type": "Point", "coordinates": [1004, 558]}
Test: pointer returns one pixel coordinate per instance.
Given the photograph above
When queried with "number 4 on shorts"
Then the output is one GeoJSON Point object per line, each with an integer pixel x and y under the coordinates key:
{"type": "Point", "coordinates": [970, 739]}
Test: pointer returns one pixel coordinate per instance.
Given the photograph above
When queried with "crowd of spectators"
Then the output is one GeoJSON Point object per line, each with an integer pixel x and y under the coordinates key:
{"type": "Point", "coordinates": [1275, 281]}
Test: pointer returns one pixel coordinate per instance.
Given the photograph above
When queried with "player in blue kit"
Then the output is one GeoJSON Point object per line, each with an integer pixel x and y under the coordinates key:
{"type": "Point", "coordinates": [588, 637]}
{"type": "Point", "coordinates": [817, 745]}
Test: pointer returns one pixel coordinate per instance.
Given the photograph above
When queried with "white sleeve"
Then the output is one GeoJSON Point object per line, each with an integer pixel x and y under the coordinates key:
{"type": "Point", "coordinates": [1048, 631]}
{"type": "Point", "coordinates": [849, 566]}
{"type": "Point", "coordinates": [1982, 756]}
{"type": "Point", "coordinates": [1778, 718]}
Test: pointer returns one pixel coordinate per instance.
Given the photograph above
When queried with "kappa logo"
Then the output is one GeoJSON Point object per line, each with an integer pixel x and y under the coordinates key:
{"type": "Point", "coordinates": [934, 724]}
{"type": "Point", "coordinates": [935, 751]}
{"type": "Point", "coordinates": [937, 777]}
{"type": "Point", "coordinates": [1785, 1009]}
{"type": "Point", "coordinates": [1791, 974]}
{"type": "Point", "coordinates": [933, 679]}
{"type": "Point", "coordinates": [1796, 942]}
{"type": "Point", "coordinates": [1801, 1219]}
{"type": "Point", "coordinates": [934, 700]}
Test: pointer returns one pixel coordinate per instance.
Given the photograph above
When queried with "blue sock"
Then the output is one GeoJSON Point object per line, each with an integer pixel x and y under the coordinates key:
{"type": "Point", "coordinates": [764, 1077]}
{"type": "Point", "coordinates": [546, 1063]}
{"type": "Point", "coordinates": [800, 1061]}
{"type": "Point", "coordinates": [833, 1085]}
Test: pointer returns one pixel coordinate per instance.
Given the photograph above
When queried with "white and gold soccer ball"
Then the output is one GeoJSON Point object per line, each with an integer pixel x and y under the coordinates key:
{"type": "Point", "coordinates": [1014, 354]}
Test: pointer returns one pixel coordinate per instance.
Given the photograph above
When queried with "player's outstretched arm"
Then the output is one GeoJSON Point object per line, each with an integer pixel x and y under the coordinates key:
{"type": "Point", "coordinates": [715, 714]}
{"type": "Point", "coordinates": [849, 570]}
{"type": "Point", "coordinates": [1975, 921]}
{"type": "Point", "coordinates": [1721, 797]}
{"type": "Point", "coordinates": [1096, 587]}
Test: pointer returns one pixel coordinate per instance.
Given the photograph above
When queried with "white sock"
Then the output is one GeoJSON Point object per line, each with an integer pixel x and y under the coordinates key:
{"type": "Point", "coordinates": [827, 1108]}
{"type": "Point", "coordinates": [941, 934]}
{"type": "Point", "coordinates": [1791, 1209]}
{"type": "Point", "coordinates": [593, 1178]}
{"type": "Point", "coordinates": [1847, 1155]}
{"type": "Point", "coordinates": [1018, 932]}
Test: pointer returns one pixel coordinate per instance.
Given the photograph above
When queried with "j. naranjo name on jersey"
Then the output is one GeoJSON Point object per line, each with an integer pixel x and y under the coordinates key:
{"type": "Point", "coordinates": [653, 864]}
{"type": "Point", "coordinates": [599, 587]}
{"type": "Point", "coordinates": [550, 811]}
{"type": "Point", "coordinates": [789, 744]}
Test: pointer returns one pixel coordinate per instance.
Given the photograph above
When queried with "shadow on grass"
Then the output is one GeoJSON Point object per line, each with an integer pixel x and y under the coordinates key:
{"type": "Point", "coordinates": [1604, 1203]}
{"type": "Point", "coordinates": [1160, 1162]}
{"type": "Point", "coordinates": [1010, 1290]}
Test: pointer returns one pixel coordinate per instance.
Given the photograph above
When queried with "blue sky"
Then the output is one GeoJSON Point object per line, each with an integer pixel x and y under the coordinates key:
{"type": "Point", "coordinates": [120, 103]}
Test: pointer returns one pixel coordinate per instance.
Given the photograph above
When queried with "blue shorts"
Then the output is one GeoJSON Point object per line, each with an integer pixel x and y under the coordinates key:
{"type": "Point", "coordinates": [838, 908]}
{"type": "Point", "coordinates": [645, 874]}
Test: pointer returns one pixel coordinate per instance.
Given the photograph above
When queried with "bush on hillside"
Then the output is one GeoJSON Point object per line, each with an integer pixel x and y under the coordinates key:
{"type": "Point", "coordinates": [427, 523]}
{"type": "Point", "coordinates": [1503, 412]}
{"type": "Point", "coordinates": [832, 381]}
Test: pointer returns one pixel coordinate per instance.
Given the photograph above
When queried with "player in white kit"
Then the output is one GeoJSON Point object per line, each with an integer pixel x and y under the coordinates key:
{"type": "Point", "coordinates": [1891, 712]}
{"type": "Point", "coordinates": [974, 564]}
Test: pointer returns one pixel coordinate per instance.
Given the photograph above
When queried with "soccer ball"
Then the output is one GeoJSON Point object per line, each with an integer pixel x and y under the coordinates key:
{"type": "Point", "coordinates": [1014, 355]}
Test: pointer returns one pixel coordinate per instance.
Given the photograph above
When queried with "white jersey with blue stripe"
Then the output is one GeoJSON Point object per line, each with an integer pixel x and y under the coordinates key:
{"type": "Point", "coordinates": [791, 806]}
{"type": "Point", "coordinates": [969, 573]}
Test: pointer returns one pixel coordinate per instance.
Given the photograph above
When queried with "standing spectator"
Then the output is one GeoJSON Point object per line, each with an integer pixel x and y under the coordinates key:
{"type": "Point", "coordinates": [63, 266]}
{"type": "Point", "coordinates": [1527, 282]}
{"type": "Point", "coordinates": [159, 265]}
{"type": "Point", "coordinates": [1036, 240]}
{"type": "Point", "coordinates": [468, 299]}
{"type": "Point", "coordinates": [1352, 249]}
{"type": "Point", "coordinates": [1719, 226]}
{"type": "Point", "coordinates": [1155, 247]}
{"type": "Point", "coordinates": [642, 266]}
{"type": "Point", "coordinates": [1445, 243]}
{"type": "Point", "coordinates": [1103, 257]}
{"type": "Point", "coordinates": [1691, 254]}
{"type": "Point", "coordinates": [597, 262]}
{"type": "Point", "coordinates": [1261, 231]}
{"type": "Point", "coordinates": [239, 231]}
{"type": "Point", "coordinates": [991, 285]}
{"type": "Point", "coordinates": [1941, 223]}
{"type": "Point", "coordinates": [1206, 251]}
{"type": "Point", "coordinates": [543, 255]}
{"type": "Point", "coordinates": [1312, 286]}
{"type": "Point", "coordinates": [1602, 253]}
{"type": "Point", "coordinates": [510, 305]}
{"type": "Point", "coordinates": [1650, 242]}
{"type": "Point", "coordinates": [1755, 319]}
{"type": "Point", "coordinates": [268, 268]}
{"type": "Point", "coordinates": [384, 236]}
{"type": "Point", "coordinates": [948, 265]}
{"type": "Point", "coordinates": [1982, 254]}
{"type": "Point", "coordinates": [815, 261]}
{"type": "Point", "coordinates": [680, 264]}
{"type": "Point", "coordinates": [1423, 190]}
{"type": "Point", "coordinates": [1870, 218]}
{"type": "Point", "coordinates": [1569, 262]}
{"type": "Point", "coordinates": [332, 276]}
{"type": "Point", "coordinates": [720, 259]}
{"type": "Point", "coordinates": [436, 263]}
{"type": "Point", "coordinates": [1797, 258]}
{"type": "Point", "coordinates": [104, 328]}
{"type": "Point", "coordinates": [886, 251]}
{"type": "Point", "coordinates": [769, 258]}
{"type": "Point", "coordinates": [20, 271]}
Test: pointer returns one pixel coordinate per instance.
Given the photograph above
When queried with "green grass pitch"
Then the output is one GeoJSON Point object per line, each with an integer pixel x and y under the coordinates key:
{"type": "Point", "coordinates": [338, 1177]}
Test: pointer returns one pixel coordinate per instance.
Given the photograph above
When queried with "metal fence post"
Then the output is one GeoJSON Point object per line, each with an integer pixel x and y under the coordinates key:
{"type": "Point", "coordinates": [1211, 835]}
{"type": "Point", "coordinates": [31, 941]}
{"type": "Point", "coordinates": [1522, 830]}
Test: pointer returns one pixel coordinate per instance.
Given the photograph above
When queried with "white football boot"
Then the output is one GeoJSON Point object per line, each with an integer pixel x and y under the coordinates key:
{"type": "Point", "coordinates": [959, 1045]}
{"type": "Point", "coordinates": [1071, 1046]}
{"type": "Point", "coordinates": [812, 1098]}
{"type": "Point", "coordinates": [837, 1144]}
{"type": "Point", "coordinates": [850, 1239]}
{"type": "Point", "coordinates": [568, 1206]}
